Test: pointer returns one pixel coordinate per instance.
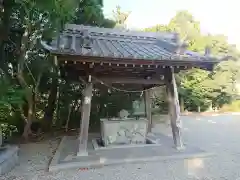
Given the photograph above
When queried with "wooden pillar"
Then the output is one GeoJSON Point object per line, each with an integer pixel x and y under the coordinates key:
{"type": "Point", "coordinates": [174, 108]}
{"type": "Point", "coordinates": [148, 107]}
{"type": "Point", "coordinates": [85, 116]}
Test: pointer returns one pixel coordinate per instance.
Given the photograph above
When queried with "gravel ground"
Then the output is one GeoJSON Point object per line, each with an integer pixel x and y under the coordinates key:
{"type": "Point", "coordinates": [219, 134]}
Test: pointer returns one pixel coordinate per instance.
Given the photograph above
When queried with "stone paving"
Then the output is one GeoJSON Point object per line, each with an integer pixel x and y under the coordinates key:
{"type": "Point", "coordinates": [65, 156]}
{"type": "Point", "coordinates": [219, 134]}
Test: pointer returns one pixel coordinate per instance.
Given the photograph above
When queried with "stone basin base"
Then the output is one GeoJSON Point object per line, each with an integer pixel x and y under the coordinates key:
{"type": "Point", "coordinates": [123, 132]}
{"type": "Point", "coordinates": [98, 144]}
{"type": "Point", "coordinates": [66, 154]}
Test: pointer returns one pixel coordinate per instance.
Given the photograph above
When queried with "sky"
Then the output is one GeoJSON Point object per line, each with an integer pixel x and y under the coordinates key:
{"type": "Point", "coordinates": [216, 17]}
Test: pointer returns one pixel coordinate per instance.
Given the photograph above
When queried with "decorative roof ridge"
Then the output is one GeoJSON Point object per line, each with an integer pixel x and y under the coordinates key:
{"type": "Point", "coordinates": [123, 33]}
{"type": "Point", "coordinates": [169, 41]}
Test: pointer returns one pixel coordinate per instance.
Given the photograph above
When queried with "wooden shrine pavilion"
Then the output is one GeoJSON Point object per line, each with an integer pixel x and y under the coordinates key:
{"type": "Point", "coordinates": [116, 56]}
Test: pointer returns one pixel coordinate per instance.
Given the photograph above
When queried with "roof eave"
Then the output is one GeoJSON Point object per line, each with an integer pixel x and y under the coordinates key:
{"type": "Point", "coordinates": [48, 47]}
{"type": "Point", "coordinates": [207, 64]}
{"type": "Point", "coordinates": [226, 58]}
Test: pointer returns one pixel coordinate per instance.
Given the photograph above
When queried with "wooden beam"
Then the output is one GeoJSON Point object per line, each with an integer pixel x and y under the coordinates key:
{"type": "Point", "coordinates": [128, 80]}
{"type": "Point", "coordinates": [174, 108]}
{"type": "Point", "coordinates": [185, 61]}
{"type": "Point", "coordinates": [85, 116]}
{"type": "Point", "coordinates": [148, 106]}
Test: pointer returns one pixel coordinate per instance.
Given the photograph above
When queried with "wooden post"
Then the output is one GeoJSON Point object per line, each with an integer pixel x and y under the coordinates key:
{"type": "Point", "coordinates": [148, 107]}
{"type": "Point", "coordinates": [85, 116]}
{"type": "Point", "coordinates": [174, 108]}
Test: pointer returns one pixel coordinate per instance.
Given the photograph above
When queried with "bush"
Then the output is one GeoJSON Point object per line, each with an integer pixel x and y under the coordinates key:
{"type": "Point", "coordinates": [233, 107]}
{"type": "Point", "coordinates": [7, 130]}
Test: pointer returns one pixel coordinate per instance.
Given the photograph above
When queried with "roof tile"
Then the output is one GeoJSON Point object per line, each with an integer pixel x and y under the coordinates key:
{"type": "Point", "coordinates": [103, 42]}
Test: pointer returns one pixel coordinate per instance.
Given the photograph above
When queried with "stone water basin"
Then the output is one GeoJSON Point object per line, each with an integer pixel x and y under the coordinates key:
{"type": "Point", "coordinates": [117, 131]}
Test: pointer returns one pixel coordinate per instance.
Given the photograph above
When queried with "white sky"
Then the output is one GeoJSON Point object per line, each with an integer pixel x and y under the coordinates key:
{"type": "Point", "coordinates": [217, 17]}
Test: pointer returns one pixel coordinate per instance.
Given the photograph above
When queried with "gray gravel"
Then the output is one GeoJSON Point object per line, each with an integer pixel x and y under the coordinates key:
{"type": "Point", "coordinates": [219, 134]}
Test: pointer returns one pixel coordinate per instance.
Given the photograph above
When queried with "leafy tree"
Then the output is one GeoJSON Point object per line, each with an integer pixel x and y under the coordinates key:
{"type": "Point", "coordinates": [24, 61]}
{"type": "Point", "coordinates": [90, 12]}
{"type": "Point", "coordinates": [27, 68]}
{"type": "Point", "coordinates": [120, 17]}
{"type": "Point", "coordinates": [200, 88]}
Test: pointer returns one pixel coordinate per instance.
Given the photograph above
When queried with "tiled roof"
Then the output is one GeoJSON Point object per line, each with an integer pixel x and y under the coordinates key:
{"type": "Point", "coordinates": [121, 44]}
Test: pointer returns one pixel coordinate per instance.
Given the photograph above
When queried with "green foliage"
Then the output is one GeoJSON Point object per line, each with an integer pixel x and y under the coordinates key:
{"type": "Point", "coordinates": [233, 107]}
{"type": "Point", "coordinates": [194, 86]}
{"type": "Point", "coordinates": [10, 96]}
{"type": "Point", "coordinates": [89, 12]}
{"type": "Point", "coordinates": [158, 28]}
{"type": "Point", "coordinates": [200, 88]}
{"type": "Point", "coordinates": [7, 130]}
{"type": "Point", "coordinates": [32, 73]}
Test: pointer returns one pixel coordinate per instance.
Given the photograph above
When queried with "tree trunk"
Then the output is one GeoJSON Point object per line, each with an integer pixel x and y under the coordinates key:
{"type": "Point", "coordinates": [56, 121]}
{"type": "Point", "coordinates": [210, 107]}
{"type": "Point", "coordinates": [181, 104]}
{"type": "Point", "coordinates": [51, 105]}
{"type": "Point", "coordinates": [27, 128]}
{"type": "Point", "coordinates": [25, 86]}
{"type": "Point", "coordinates": [52, 99]}
{"type": "Point", "coordinates": [199, 109]}
{"type": "Point", "coordinates": [30, 90]}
